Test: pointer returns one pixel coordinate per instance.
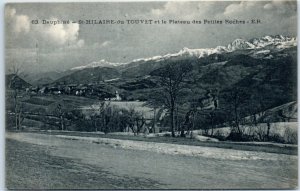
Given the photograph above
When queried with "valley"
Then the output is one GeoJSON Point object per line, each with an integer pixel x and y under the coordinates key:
{"type": "Point", "coordinates": [151, 95]}
{"type": "Point", "coordinates": [233, 87]}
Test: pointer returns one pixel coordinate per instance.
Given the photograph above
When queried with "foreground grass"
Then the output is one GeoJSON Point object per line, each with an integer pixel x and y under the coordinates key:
{"type": "Point", "coordinates": [270, 148]}
{"type": "Point", "coordinates": [41, 161]}
{"type": "Point", "coordinates": [30, 166]}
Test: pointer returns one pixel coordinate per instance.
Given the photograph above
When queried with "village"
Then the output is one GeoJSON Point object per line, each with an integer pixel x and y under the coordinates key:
{"type": "Point", "coordinates": [146, 119]}
{"type": "Point", "coordinates": [86, 90]}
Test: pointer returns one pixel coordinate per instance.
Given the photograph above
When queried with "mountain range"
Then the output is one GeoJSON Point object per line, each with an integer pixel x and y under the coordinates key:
{"type": "Point", "coordinates": [257, 45]}
{"type": "Point", "coordinates": [268, 63]}
{"type": "Point", "coordinates": [259, 48]}
{"type": "Point", "coordinates": [265, 68]}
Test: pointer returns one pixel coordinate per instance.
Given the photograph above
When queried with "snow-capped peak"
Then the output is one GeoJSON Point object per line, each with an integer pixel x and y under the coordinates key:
{"type": "Point", "coordinates": [278, 41]}
{"type": "Point", "coordinates": [239, 44]}
{"type": "Point", "coordinates": [256, 44]}
{"type": "Point", "coordinates": [101, 63]}
{"type": "Point", "coordinates": [186, 52]}
{"type": "Point", "coordinates": [147, 59]}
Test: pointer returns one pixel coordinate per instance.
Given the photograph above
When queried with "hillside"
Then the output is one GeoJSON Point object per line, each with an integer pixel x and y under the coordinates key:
{"type": "Point", "coordinates": [286, 112]}
{"type": "Point", "coordinates": [89, 75]}
{"type": "Point", "coordinates": [263, 67]}
{"type": "Point", "coordinates": [239, 52]}
{"type": "Point", "coordinates": [272, 81]}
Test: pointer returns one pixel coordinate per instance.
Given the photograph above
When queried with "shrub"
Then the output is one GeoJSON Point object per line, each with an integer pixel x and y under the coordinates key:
{"type": "Point", "coordinates": [219, 135]}
{"type": "Point", "coordinates": [235, 136]}
{"type": "Point", "coordinates": [276, 138]}
{"type": "Point", "coordinates": [290, 136]}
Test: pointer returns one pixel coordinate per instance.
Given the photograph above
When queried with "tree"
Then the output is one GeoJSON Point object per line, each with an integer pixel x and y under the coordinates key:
{"type": "Point", "coordinates": [94, 118]}
{"type": "Point", "coordinates": [172, 85]}
{"type": "Point", "coordinates": [136, 120]}
{"type": "Point", "coordinates": [61, 113]}
{"type": "Point", "coordinates": [257, 104]}
{"type": "Point", "coordinates": [236, 98]}
{"type": "Point", "coordinates": [139, 122]}
{"type": "Point", "coordinates": [188, 123]}
{"type": "Point", "coordinates": [105, 113]}
{"type": "Point", "coordinates": [122, 120]}
{"type": "Point", "coordinates": [15, 84]}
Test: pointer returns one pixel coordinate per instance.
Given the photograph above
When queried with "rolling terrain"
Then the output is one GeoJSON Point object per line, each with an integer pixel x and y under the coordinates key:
{"type": "Point", "coordinates": [262, 70]}
{"type": "Point", "coordinates": [74, 132]}
{"type": "Point", "coordinates": [58, 162]}
{"type": "Point", "coordinates": [263, 63]}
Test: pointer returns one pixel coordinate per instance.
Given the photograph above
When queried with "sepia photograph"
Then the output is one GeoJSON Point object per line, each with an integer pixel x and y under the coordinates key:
{"type": "Point", "coordinates": [152, 95]}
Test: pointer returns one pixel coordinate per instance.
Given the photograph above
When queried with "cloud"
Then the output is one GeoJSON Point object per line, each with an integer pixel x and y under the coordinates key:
{"type": "Point", "coordinates": [105, 43]}
{"type": "Point", "coordinates": [101, 45]}
{"type": "Point", "coordinates": [9, 12]}
{"type": "Point", "coordinates": [44, 34]}
{"type": "Point", "coordinates": [18, 23]}
{"type": "Point", "coordinates": [80, 43]}
{"type": "Point", "coordinates": [243, 9]}
{"type": "Point", "coordinates": [238, 8]}
{"type": "Point", "coordinates": [171, 9]}
{"type": "Point", "coordinates": [273, 8]}
{"type": "Point", "coordinates": [22, 24]}
{"type": "Point", "coordinates": [62, 46]}
{"type": "Point", "coordinates": [73, 46]}
{"type": "Point", "coordinates": [268, 6]}
{"type": "Point", "coordinates": [60, 34]}
{"type": "Point", "coordinates": [188, 10]}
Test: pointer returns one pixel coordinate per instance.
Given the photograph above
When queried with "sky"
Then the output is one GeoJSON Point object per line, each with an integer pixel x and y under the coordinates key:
{"type": "Point", "coordinates": [45, 47]}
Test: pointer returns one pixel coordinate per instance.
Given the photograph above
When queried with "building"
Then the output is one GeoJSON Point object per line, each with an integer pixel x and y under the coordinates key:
{"type": "Point", "coordinates": [117, 98]}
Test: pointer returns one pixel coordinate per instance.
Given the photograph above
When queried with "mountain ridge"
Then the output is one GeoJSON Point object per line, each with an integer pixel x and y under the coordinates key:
{"type": "Point", "coordinates": [278, 41]}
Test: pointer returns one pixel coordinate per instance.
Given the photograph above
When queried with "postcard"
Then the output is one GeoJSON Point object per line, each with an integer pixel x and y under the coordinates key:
{"type": "Point", "coordinates": [151, 95]}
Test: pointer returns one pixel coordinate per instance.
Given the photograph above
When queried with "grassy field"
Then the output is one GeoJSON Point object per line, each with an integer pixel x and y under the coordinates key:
{"type": "Point", "coordinates": [41, 105]}
{"type": "Point", "coordinates": [42, 161]}
{"type": "Point", "coordinates": [35, 108]}
{"type": "Point", "coordinates": [31, 166]}
{"type": "Point", "coordinates": [138, 106]}
{"type": "Point", "coordinates": [282, 129]}
{"type": "Point", "coordinates": [49, 103]}
{"type": "Point", "coordinates": [270, 148]}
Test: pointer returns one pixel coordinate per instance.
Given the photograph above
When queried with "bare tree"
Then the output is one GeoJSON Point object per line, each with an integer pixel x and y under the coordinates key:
{"type": "Point", "coordinates": [258, 105]}
{"type": "Point", "coordinates": [136, 120]}
{"type": "Point", "coordinates": [171, 81]}
{"type": "Point", "coordinates": [61, 113]}
{"type": "Point", "coordinates": [105, 114]}
{"type": "Point", "coordinates": [188, 123]}
{"type": "Point", "coordinates": [139, 122]}
{"type": "Point", "coordinates": [15, 84]}
{"type": "Point", "coordinates": [94, 118]}
{"type": "Point", "coordinates": [236, 98]}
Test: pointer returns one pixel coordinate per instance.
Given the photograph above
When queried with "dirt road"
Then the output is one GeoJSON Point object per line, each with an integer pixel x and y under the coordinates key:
{"type": "Point", "coordinates": [53, 162]}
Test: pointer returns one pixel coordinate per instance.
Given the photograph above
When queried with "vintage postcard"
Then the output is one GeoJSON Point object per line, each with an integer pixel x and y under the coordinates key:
{"type": "Point", "coordinates": [151, 95]}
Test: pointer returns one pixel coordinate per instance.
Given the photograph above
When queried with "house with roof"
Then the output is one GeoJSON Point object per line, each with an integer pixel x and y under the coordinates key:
{"type": "Point", "coordinates": [116, 98]}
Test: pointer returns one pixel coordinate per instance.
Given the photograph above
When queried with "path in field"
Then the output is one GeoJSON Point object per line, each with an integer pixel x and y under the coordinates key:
{"type": "Point", "coordinates": [130, 168]}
